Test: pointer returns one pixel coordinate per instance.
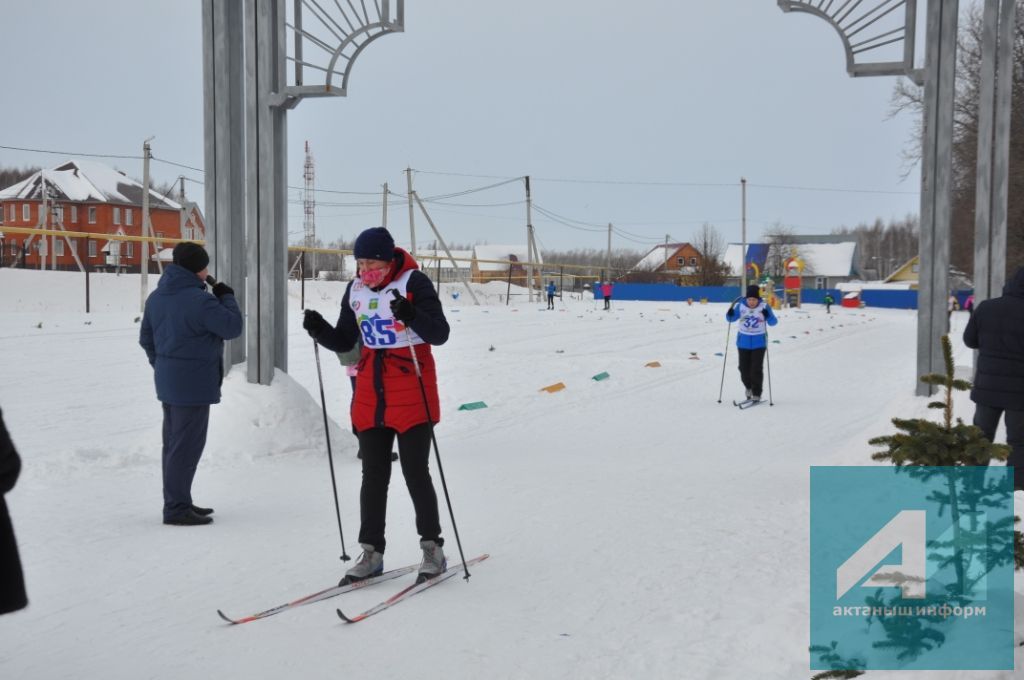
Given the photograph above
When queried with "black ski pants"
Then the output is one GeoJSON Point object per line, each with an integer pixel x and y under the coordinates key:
{"type": "Point", "coordinates": [752, 369]}
{"type": "Point", "coordinates": [184, 435]}
{"type": "Point", "coordinates": [551, 301]}
{"type": "Point", "coordinates": [987, 418]}
{"type": "Point", "coordinates": [414, 454]}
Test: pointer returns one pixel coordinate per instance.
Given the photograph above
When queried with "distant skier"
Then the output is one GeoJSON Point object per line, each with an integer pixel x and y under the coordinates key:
{"type": "Point", "coordinates": [752, 338]}
{"type": "Point", "coordinates": [183, 332]}
{"type": "Point", "coordinates": [551, 294]}
{"type": "Point", "coordinates": [829, 301]}
{"type": "Point", "coordinates": [606, 291]}
{"type": "Point", "coordinates": [12, 581]}
{"type": "Point", "coordinates": [969, 304]}
{"type": "Point", "coordinates": [388, 399]}
{"type": "Point", "coordinates": [996, 330]}
{"type": "Point", "coordinates": [951, 306]}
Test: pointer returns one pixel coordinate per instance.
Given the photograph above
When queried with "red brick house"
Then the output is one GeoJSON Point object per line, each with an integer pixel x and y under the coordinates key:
{"type": "Point", "coordinates": [671, 262]}
{"type": "Point", "coordinates": [86, 196]}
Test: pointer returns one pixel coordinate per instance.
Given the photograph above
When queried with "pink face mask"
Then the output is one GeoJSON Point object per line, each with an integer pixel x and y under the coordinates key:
{"type": "Point", "coordinates": [373, 277]}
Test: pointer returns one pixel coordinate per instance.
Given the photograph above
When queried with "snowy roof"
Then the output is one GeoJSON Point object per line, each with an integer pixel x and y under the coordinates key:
{"type": "Point", "coordinates": [657, 256]}
{"type": "Point", "coordinates": [820, 259]}
{"type": "Point", "coordinates": [86, 181]}
{"type": "Point", "coordinates": [503, 253]}
{"type": "Point", "coordinates": [463, 258]}
{"type": "Point", "coordinates": [827, 259]}
{"type": "Point", "coordinates": [856, 286]}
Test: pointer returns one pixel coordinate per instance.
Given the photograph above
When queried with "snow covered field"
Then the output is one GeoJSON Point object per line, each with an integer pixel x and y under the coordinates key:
{"type": "Point", "coordinates": [637, 528]}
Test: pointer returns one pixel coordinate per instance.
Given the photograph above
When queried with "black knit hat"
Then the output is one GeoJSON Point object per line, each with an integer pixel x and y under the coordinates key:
{"type": "Point", "coordinates": [753, 290]}
{"type": "Point", "coordinates": [191, 256]}
{"type": "Point", "coordinates": [375, 243]}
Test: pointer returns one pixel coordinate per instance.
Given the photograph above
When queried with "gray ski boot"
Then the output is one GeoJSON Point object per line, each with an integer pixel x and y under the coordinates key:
{"type": "Point", "coordinates": [369, 564]}
{"type": "Point", "coordinates": [434, 562]}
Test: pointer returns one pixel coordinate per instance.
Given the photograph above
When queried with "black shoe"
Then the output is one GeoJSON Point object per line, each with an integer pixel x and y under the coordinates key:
{"type": "Point", "coordinates": [189, 519]}
{"type": "Point", "coordinates": [202, 512]}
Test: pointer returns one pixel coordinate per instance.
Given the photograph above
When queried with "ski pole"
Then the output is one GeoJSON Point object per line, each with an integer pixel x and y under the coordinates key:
{"type": "Point", "coordinates": [768, 358]}
{"type": "Point", "coordinates": [725, 354]}
{"type": "Point", "coordinates": [330, 456]}
{"type": "Point", "coordinates": [433, 439]}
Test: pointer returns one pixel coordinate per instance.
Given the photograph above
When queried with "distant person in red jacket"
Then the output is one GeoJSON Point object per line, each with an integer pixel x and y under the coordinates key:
{"type": "Point", "coordinates": [388, 401]}
{"type": "Point", "coordinates": [606, 291]}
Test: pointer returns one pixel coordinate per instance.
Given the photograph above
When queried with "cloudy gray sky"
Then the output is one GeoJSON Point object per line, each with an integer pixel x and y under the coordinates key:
{"type": "Point", "coordinates": [617, 110]}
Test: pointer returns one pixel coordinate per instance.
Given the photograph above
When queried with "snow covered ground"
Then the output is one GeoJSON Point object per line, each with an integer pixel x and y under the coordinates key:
{"type": "Point", "coordinates": [637, 527]}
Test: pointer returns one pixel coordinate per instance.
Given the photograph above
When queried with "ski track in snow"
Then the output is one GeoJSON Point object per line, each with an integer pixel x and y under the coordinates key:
{"type": "Point", "coordinates": [637, 527]}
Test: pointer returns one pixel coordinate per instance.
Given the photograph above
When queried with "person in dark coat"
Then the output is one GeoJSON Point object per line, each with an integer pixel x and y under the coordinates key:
{"type": "Point", "coordinates": [183, 332]}
{"type": "Point", "coordinates": [12, 581]}
{"type": "Point", "coordinates": [754, 316]}
{"type": "Point", "coordinates": [389, 401]}
{"type": "Point", "coordinates": [996, 330]}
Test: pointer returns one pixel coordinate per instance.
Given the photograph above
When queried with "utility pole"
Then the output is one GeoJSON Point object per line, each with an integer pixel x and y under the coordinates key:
{"type": "Point", "coordinates": [309, 207]}
{"type": "Point", "coordinates": [385, 219]}
{"type": "Point", "coordinates": [529, 240]}
{"type": "Point", "coordinates": [743, 247]}
{"type": "Point", "coordinates": [147, 229]}
{"type": "Point", "coordinates": [608, 257]}
{"type": "Point", "coordinates": [666, 253]}
{"type": "Point", "coordinates": [412, 222]}
{"type": "Point", "coordinates": [44, 213]}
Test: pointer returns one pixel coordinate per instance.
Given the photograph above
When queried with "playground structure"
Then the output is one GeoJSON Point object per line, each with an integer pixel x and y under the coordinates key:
{"type": "Point", "coordinates": [794, 267]}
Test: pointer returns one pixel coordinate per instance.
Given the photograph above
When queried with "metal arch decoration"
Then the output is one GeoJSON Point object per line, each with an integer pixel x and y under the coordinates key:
{"type": "Point", "coordinates": [337, 30]}
{"type": "Point", "coordinates": [879, 23]}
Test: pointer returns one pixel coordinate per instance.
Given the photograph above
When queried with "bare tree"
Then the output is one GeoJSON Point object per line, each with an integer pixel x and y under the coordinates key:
{"type": "Point", "coordinates": [783, 245]}
{"type": "Point", "coordinates": [711, 267]}
{"type": "Point", "coordinates": [908, 97]}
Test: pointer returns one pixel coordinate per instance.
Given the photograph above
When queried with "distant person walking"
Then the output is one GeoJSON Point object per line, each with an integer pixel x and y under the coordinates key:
{"type": "Point", "coordinates": [753, 315]}
{"type": "Point", "coordinates": [12, 580]}
{"type": "Point", "coordinates": [183, 332]}
{"type": "Point", "coordinates": [829, 301]}
{"type": "Point", "coordinates": [551, 294]}
{"type": "Point", "coordinates": [996, 330]}
{"type": "Point", "coordinates": [606, 291]}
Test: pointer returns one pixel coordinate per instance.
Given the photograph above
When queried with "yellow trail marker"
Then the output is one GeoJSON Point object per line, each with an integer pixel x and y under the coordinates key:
{"type": "Point", "coordinates": [557, 387]}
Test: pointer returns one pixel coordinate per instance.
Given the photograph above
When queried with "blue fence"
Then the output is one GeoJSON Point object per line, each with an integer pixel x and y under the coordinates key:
{"type": "Point", "coordinates": [666, 292]}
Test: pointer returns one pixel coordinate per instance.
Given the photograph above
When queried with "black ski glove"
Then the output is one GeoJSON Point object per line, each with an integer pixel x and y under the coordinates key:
{"type": "Point", "coordinates": [222, 288]}
{"type": "Point", "coordinates": [765, 312]}
{"type": "Point", "coordinates": [314, 323]}
{"type": "Point", "coordinates": [402, 309]}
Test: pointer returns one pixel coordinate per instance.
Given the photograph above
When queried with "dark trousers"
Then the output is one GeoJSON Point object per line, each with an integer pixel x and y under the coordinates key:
{"type": "Point", "coordinates": [551, 301]}
{"type": "Point", "coordinates": [184, 440]}
{"type": "Point", "coordinates": [414, 454]}
{"type": "Point", "coordinates": [987, 418]}
{"type": "Point", "coordinates": [752, 369]}
{"type": "Point", "coordinates": [608, 302]}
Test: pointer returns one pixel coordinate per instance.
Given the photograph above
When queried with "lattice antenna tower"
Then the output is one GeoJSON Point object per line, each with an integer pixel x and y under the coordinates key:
{"type": "Point", "coordinates": [309, 204]}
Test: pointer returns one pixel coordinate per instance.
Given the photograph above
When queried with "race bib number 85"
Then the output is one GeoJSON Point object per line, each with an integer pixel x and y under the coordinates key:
{"type": "Point", "coordinates": [377, 332]}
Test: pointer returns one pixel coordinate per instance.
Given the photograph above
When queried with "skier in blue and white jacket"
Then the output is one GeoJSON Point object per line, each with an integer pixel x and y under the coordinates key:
{"type": "Point", "coordinates": [754, 315]}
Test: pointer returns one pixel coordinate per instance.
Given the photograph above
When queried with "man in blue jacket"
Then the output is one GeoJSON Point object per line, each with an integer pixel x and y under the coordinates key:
{"type": "Point", "coordinates": [183, 332]}
{"type": "Point", "coordinates": [753, 313]}
{"type": "Point", "coordinates": [996, 330]}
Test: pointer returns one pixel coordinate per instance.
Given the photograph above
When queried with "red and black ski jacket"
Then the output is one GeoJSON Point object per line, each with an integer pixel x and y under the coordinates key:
{"type": "Point", "coordinates": [387, 390]}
